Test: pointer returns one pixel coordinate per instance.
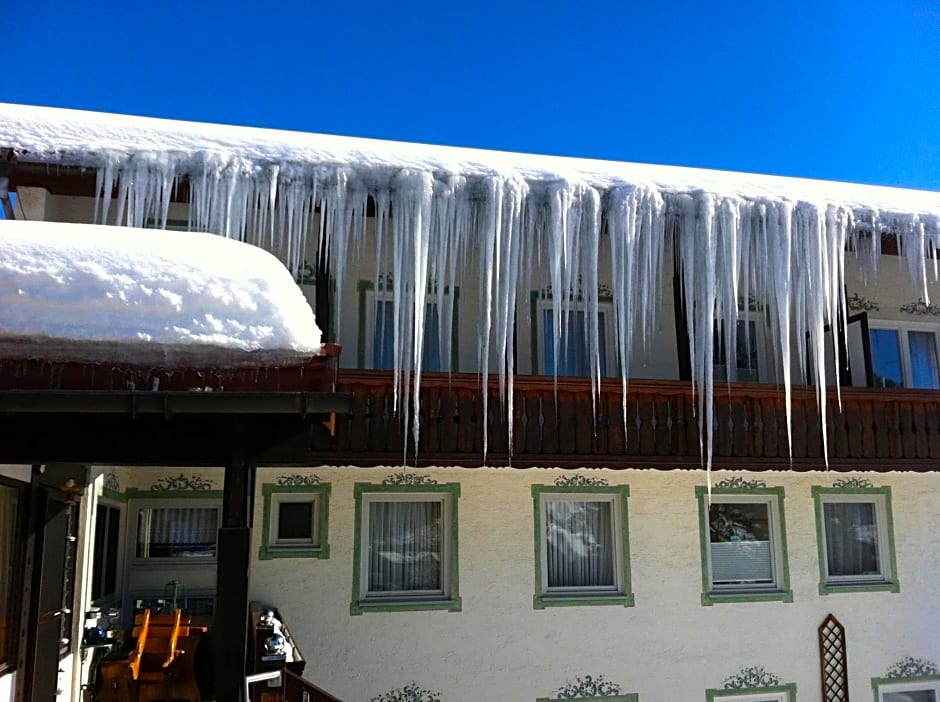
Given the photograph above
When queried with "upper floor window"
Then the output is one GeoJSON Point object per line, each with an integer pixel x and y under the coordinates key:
{"type": "Point", "coordinates": [574, 357]}
{"type": "Point", "coordinates": [748, 354]}
{"type": "Point", "coordinates": [904, 355]}
{"type": "Point", "coordinates": [377, 331]}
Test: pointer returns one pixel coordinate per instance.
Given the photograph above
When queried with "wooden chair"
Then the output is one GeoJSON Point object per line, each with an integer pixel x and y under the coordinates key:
{"type": "Point", "coordinates": [160, 669]}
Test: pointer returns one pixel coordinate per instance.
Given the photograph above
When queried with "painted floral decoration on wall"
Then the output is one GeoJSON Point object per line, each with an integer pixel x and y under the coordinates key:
{"type": "Point", "coordinates": [298, 480]}
{"type": "Point", "coordinates": [579, 481]}
{"type": "Point", "coordinates": [911, 667]}
{"type": "Point", "coordinates": [750, 677]}
{"type": "Point", "coordinates": [852, 483]}
{"type": "Point", "coordinates": [588, 686]}
{"type": "Point", "coordinates": [409, 693]}
{"type": "Point", "coordinates": [408, 479]}
{"type": "Point", "coordinates": [739, 482]}
{"type": "Point", "coordinates": [181, 482]}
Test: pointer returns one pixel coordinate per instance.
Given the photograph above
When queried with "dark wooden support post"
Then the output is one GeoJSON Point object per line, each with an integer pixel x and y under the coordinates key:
{"type": "Point", "coordinates": [230, 628]}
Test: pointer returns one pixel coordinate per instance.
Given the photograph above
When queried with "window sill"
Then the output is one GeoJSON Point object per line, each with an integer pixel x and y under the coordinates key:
{"type": "Point", "coordinates": [361, 606]}
{"type": "Point", "coordinates": [593, 600]}
{"type": "Point", "coordinates": [711, 598]}
{"type": "Point", "coordinates": [834, 588]}
{"type": "Point", "coordinates": [266, 553]}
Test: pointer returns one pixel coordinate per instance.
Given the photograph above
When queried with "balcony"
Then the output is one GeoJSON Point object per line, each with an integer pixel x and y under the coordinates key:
{"type": "Point", "coordinates": [875, 429]}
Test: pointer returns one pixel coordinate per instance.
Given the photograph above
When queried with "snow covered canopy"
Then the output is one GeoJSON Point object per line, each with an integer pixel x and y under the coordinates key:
{"type": "Point", "coordinates": [779, 240]}
{"type": "Point", "coordinates": [80, 292]}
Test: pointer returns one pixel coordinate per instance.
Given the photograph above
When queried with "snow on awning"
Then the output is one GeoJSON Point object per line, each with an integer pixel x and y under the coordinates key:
{"type": "Point", "coordinates": [527, 221]}
{"type": "Point", "coordinates": [100, 294]}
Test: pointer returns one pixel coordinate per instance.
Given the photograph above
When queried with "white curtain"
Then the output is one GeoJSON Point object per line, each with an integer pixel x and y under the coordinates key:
{"type": "Point", "coordinates": [405, 546]}
{"type": "Point", "coordinates": [851, 538]}
{"type": "Point", "coordinates": [924, 370]}
{"type": "Point", "coordinates": [177, 531]}
{"type": "Point", "coordinates": [579, 544]}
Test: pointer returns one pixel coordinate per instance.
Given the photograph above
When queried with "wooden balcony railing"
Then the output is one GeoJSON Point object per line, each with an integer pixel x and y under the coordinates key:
{"type": "Point", "coordinates": [560, 426]}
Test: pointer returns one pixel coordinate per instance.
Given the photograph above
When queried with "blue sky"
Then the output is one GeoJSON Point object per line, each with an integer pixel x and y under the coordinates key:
{"type": "Point", "coordinates": [838, 90]}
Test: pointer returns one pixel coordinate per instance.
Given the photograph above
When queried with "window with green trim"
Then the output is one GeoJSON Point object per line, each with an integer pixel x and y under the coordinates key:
{"type": "Point", "coordinates": [856, 539]}
{"type": "Point", "coordinates": [377, 329]}
{"type": "Point", "coordinates": [925, 688]}
{"type": "Point", "coordinates": [630, 697]}
{"type": "Point", "coordinates": [406, 547]}
{"type": "Point", "coordinates": [582, 545]}
{"type": "Point", "coordinates": [296, 521]}
{"type": "Point", "coordinates": [573, 355]}
{"type": "Point", "coordinates": [774, 693]}
{"type": "Point", "coordinates": [743, 545]}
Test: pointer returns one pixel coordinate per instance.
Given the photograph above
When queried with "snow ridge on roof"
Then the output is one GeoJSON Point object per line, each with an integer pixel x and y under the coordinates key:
{"type": "Point", "coordinates": [75, 137]}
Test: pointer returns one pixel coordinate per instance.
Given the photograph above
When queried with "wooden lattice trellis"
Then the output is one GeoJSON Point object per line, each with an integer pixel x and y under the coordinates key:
{"type": "Point", "coordinates": [833, 662]}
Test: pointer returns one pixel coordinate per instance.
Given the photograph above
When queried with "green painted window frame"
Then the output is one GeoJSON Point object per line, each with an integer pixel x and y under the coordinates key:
{"type": "Point", "coordinates": [605, 303]}
{"type": "Point", "coordinates": [710, 596]}
{"type": "Point", "coordinates": [625, 598]}
{"type": "Point", "coordinates": [877, 684]}
{"type": "Point", "coordinates": [881, 497]}
{"type": "Point", "coordinates": [714, 695]}
{"type": "Point", "coordinates": [321, 494]}
{"type": "Point", "coordinates": [366, 287]}
{"type": "Point", "coordinates": [629, 697]}
{"type": "Point", "coordinates": [450, 603]}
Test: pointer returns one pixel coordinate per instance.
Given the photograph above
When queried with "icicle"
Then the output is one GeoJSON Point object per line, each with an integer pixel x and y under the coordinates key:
{"type": "Point", "coordinates": [789, 256]}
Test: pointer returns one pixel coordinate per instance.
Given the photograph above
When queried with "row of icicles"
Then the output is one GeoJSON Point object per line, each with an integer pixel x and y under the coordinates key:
{"type": "Point", "coordinates": [429, 229]}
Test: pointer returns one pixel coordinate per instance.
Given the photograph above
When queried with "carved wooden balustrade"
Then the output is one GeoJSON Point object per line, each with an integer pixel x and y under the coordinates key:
{"type": "Point", "coordinates": [557, 424]}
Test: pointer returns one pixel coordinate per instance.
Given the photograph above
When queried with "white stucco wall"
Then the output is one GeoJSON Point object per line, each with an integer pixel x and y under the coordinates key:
{"type": "Point", "coordinates": [667, 648]}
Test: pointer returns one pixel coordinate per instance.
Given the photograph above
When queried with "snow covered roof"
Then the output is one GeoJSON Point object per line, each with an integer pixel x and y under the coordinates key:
{"type": "Point", "coordinates": [52, 135]}
{"type": "Point", "coordinates": [80, 292]}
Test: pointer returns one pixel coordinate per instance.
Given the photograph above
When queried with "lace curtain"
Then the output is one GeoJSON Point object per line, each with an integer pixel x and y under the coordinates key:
{"type": "Point", "coordinates": [405, 546]}
{"type": "Point", "coordinates": [579, 544]}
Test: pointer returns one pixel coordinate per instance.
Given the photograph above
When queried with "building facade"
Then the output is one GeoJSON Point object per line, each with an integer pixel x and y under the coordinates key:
{"type": "Point", "coordinates": [570, 543]}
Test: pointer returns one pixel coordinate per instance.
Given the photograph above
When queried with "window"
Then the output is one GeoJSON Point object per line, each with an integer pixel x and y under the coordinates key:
{"type": "Point", "coordinates": [107, 547]}
{"type": "Point", "coordinates": [177, 532]}
{"type": "Point", "coordinates": [11, 505]}
{"type": "Point", "coordinates": [774, 693]}
{"type": "Point", "coordinates": [574, 355]}
{"type": "Point", "coordinates": [743, 545]}
{"type": "Point", "coordinates": [924, 688]}
{"type": "Point", "coordinates": [405, 547]}
{"type": "Point", "coordinates": [583, 546]}
{"type": "Point", "coordinates": [904, 355]}
{"type": "Point", "coordinates": [856, 539]}
{"type": "Point", "coordinates": [377, 331]}
{"type": "Point", "coordinates": [749, 350]}
{"type": "Point", "coordinates": [296, 521]}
